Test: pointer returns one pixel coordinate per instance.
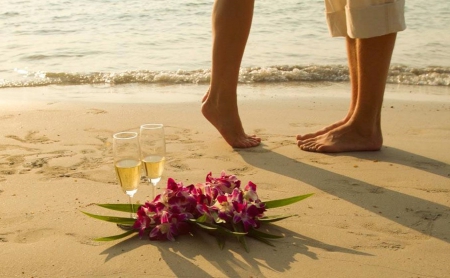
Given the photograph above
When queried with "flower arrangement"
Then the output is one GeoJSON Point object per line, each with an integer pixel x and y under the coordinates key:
{"type": "Point", "coordinates": [219, 206]}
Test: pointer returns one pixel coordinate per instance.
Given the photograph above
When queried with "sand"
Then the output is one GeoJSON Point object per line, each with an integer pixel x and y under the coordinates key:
{"type": "Point", "coordinates": [373, 214]}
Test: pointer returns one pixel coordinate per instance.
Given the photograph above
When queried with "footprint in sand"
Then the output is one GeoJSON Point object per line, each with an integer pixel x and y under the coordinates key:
{"type": "Point", "coordinates": [196, 156]}
{"type": "Point", "coordinates": [302, 125]}
{"type": "Point", "coordinates": [172, 137]}
{"type": "Point", "coordinates": [32, 138]}
{"type": "Point", "coordinates": [393, 246]}
{"type": "Point", "coordinates": [258, 131]}
{"type": "Point", "coordinates": [321, 161]}
{"type": "Point", "coordinates": [37, 163]}
{"type": "Point", "coordinates": [43, 161]}
{"type": "Point", "coordinates": [97, 130]}
{"type": "Point", "coordinates": [240, 171]}
{"type": "Point", "coordinates": [7, 172]}
{"type": "Point", "coordinates": [178, 166]}
{"type": "Point", "coordinates": [258, 149]}
{"type": "Point", "coordinates": [4, 237]}
{"type": "Point", "coordinates": [5, 117]}
{"type": "Point", "coordinates": [182, 135]}
{"type": "Point", "coordinates": [15, 160]}
{"type": "Point", "coordinates": [83, 239]}
{"type": "Point", "coordinates": [96, 111]}
{"type": "Point", "coordinates": [426, 222]}
{"type": "Point", "coordinates": [16, 147]}
{"type": "Point", "coordinates": [9, 164]}
{"type": "Point", "coordinates": [34, 235]}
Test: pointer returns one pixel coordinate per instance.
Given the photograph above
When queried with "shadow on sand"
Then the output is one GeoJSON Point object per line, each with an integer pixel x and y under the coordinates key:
{"type": "Point", "coordinates": [180, 256]}
{"type": "Point", "coordinates": [422, 216]}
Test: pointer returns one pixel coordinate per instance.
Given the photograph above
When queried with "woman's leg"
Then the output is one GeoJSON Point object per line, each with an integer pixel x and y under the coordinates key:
{"type": "Point", "coordinates": [231, 21]}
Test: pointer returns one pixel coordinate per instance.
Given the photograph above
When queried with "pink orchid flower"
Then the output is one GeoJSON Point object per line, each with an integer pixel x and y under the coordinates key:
{"type": "Point", "coordinates": [171, 226]}
{"type": "Point", "coordinates": [226, 183]}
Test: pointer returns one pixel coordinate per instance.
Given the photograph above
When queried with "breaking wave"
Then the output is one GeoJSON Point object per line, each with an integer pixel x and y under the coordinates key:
{"type": "Point", "coordinates": [398, 74]}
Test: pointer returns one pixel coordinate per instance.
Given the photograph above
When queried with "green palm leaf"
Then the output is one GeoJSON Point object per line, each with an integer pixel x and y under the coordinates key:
{"type": "Point", "coordinates": [206, 227]}
{"type": "Point", "coordinates": [285, 202]}
{"type": "Point", "coordinates": [114, 219]}
{"type": "Point", "coordinates": [274, 218]}
{"type": "Point", "coordinates": [220, 241]}
{"type": "Point", "coordinates": [201, 219]}
{"type": "Point", "coordinates": [120, 207]}
{"type": "Point", "coordinates": [241, 239]}
{"type": "Point", "coordinates": [239, 234]}
{"type": "Point", "coordinates": [110, 238]}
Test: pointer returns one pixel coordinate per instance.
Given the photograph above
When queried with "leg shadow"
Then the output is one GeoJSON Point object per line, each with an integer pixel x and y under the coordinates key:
{"type": "Point", "coordinates": [424, 216]}
{"type": "Point", "coordinates": [233, 260]}
{"type": "Point", "coordinates": [401, 157]}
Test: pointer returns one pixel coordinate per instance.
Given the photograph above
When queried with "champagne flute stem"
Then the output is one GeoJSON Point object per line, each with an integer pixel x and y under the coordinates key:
{"type": "Point", "coordinates": [131, 206]}
{"type": "Point", "coordinates": [154, 190]}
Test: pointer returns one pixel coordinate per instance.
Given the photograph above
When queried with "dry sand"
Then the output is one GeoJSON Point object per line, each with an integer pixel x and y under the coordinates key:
{"type": "Point", "coordinates": [374, 214]}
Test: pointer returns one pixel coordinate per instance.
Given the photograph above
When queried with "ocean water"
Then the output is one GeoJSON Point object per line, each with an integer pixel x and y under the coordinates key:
{"type": "Point", "coordinates": [169, 41]}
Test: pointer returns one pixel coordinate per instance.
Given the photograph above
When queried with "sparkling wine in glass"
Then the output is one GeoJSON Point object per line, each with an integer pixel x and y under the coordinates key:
{"type": "Point", "coordinates": [153, 152]}
{"type": "Point", "coordinates": [127, 163]}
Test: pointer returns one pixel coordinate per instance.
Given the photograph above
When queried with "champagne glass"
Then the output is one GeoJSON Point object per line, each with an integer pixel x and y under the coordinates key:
{"type": "Point", "coordinates": [127, 163]}
{"type": "Point", "coordinates": [153, 152]}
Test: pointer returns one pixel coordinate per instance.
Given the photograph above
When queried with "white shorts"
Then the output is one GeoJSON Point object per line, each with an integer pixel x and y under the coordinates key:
{"type": "Point", "coordinates": [365, 18]}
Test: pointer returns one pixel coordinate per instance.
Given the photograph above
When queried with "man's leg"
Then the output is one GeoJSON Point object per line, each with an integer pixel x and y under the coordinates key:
{"type": "Point", "coordinates": [231, 22]}
{"type": "Point", "coordinates": [362, 132]}
{"type": "Point", "coordinates": [353, 71]}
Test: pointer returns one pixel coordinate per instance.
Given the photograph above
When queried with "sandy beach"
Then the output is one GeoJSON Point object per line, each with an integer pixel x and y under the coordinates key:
{"type": "Point", "coordinates": [373, 214]}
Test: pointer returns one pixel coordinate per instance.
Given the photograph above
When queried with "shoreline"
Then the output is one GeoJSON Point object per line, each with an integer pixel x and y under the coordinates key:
{"type": "Point", "coordinates": [380, 214]}
{"type": "Point", "coordinates": [178, 93]}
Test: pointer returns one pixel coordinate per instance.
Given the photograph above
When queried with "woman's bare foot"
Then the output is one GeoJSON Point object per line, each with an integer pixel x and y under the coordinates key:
{"type": "Point", "coordinates": [345, 138]}
{"type": "Point", "coordinates": [228, 123]}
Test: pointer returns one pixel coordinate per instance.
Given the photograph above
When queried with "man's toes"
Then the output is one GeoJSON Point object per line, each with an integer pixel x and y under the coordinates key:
{"type": "Point", "coordinates": [310, 146]}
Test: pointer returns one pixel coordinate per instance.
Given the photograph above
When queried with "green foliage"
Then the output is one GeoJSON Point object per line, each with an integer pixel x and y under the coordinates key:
{"type": "Point", "coordinates": [285, 202]}
{"type": "Point", "coordinates": [219, 230]}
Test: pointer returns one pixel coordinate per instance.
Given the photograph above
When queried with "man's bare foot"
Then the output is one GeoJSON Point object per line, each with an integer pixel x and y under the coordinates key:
{"type": "Point", "coordinates": [345, 138]}
{"type": "Point", "coordinates": [228, 123]}
{"type": "Point", "coordinates": [323, 130]}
